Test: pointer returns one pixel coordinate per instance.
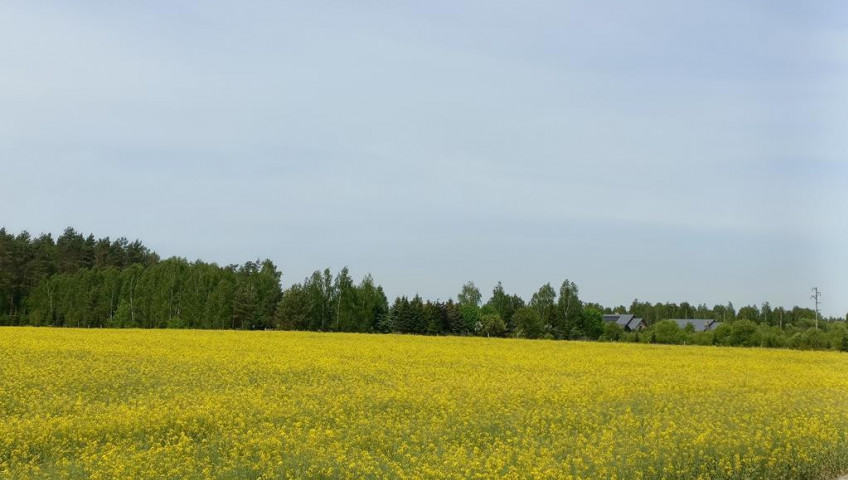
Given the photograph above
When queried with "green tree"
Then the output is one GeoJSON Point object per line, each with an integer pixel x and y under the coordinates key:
{"type": "Point", "coordinates": [70, 251]}
{"type": "Point", "coordinates": [345, 302]}
{"type": "Point", "coordinates": [571, 323]}
{"type": "Point", "coordinates": [749, 312]}
{"type": "Point", "coordinates": [491, 325]}
{"type": "Point", "coordinates": [245, 301]}
{"type": "Point", "coordinates": [592, 323]}
{"type": "Point", "coordinates": [504, 305]}
{"type": "Point", "coordinates": [121, 318]}
{"type": "Point", "coordinates": [417, 320]}
{"type": "Point", "coordinates": [219, 307]}
{"type": "Point", "coordinates": [268, 292]}
{"type": "Point", "coordinates": [469, 295]}
{"type": "Point", "coordinates": [292, 311]}
{"type": "Point", "coordinates": [453, 318]}
{"type": "Point", "coordinates": [766, 314]}
{"type": "Point", "coordinates": [319, 289]}
{"type": "Point", "coordinates": [470, 317]}
{"type": "Point", "coordinates": [432, 318]}
{"type": "Point", "coordinates": [743, 333]}
{"type": "Point", "coordinates": [373, 307]}
{"type": "Point", "coordinates": [528, 323]}
{"type": "Point", "coordinates": [544, 302]}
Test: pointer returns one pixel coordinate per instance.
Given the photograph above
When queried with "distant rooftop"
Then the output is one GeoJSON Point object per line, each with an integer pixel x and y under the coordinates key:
{"type": "Point", "coordinates": [700, 324]}
{"type": "Point", "coordinates": [626, 321]}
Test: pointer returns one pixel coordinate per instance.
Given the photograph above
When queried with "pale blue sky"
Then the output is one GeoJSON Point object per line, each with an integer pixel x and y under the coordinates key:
{"type": "Point", "coordinates": [659, 150]}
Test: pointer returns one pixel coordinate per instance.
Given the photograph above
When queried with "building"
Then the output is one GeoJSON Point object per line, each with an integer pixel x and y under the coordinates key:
{"type": "Point", "coordinates": [628, 322]}
{"type": "Point", "coordinates": [700, 324]}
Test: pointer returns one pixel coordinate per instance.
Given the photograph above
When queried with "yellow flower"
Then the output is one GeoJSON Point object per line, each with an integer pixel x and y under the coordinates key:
{"type": "Point", "coordinates": [212, 404]}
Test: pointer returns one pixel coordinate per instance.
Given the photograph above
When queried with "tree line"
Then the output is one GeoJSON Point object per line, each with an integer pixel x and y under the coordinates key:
{"type": "Point", "coordinates": [81, 281]}
{"type": "Point", "coordinates": [740, 332]}
{"type": "Point", "coordinates": [26, 261]}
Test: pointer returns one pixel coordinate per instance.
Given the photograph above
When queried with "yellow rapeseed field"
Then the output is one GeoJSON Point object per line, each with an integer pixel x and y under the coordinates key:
{"type": "Point", "coordinates": [114, 404]}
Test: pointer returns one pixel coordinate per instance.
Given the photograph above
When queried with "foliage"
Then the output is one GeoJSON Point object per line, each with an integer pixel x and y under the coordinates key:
{"type": "Point", "coordinates": [544, 303]}
{"type": "Point", "coordinates": [26, 262]}
{"type": "Point", "coordinates": [80, 281]}
{"type": "Point", "coordinates": [569, 321]}
{"type": "Point", "coordinates": [743, 333]}
{"type": "Point", "coordinates": [667, 332]}
{"type": "Point", "coordinates": [169, 293]}
{"type": "Point", "coordinates": [504, 305]}
{"type": "Point", "coordinates": [612, 332]}
{"type": "Point", "coordinates": [491, 325]}
{"type": "Point", "coordinates": [470, 295]}
{"type": "Point", "coordinates": [528, 323]}
{"type": "Point", "coordinates": [592, 323]}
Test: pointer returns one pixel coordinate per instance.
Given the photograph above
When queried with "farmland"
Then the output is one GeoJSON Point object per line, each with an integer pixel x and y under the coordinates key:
{"type": "Point", "coordinates": [93, 403]}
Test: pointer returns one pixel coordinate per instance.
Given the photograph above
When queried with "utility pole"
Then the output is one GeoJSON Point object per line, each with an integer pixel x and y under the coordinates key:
{"type": "Point", "coordinates": [815, 296]}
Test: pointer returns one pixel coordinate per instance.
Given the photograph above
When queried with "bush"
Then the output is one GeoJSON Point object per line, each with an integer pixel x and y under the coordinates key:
{"type": "Point", "coordinates": [666, 331]}
{"type": "Point", "coordinates": [702, 338]}
{"type": "Point", "coordinates": [809, 340]}
{"type": "Point", "coordinates": [612, 332]}
{"type": "Point", "coordinates": [176, 322]}
{"type": "Point", "coordinates": [743, 333]}
{"type": "Point", "coordinates": [772, 337]}
{"type": "Point", "coordinates": [721, 334]}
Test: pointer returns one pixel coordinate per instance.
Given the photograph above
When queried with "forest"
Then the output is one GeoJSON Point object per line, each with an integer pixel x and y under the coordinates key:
{"type": "Point", "coordinates": [83, 281]}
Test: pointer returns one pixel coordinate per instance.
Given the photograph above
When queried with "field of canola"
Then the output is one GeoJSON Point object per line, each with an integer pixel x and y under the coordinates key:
{"type": "Point", "coordinates": [212, 404]}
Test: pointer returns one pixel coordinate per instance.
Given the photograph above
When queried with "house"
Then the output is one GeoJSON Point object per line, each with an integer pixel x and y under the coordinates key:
{"type": "Point", "coordinates": [700, 324]}
{"type": "Point", "coordinates": [626, 321]}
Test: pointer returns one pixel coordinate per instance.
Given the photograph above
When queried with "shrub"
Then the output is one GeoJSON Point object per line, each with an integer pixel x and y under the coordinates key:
{"type": "Point", "coordinates": [666, 331]}
{"type": "Point", "coordinates": [743, 333]}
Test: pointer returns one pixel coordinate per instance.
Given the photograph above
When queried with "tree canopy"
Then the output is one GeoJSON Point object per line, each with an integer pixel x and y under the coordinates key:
{"type": "Point", "coordinates": [80, 281]}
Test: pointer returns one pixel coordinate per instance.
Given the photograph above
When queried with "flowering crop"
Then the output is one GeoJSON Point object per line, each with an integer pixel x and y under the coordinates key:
{"type": "Point", "coordinates": [214, 404]}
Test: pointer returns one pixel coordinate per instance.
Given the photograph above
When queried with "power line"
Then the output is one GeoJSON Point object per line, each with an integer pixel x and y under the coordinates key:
{"type": "Point", "coordinates": [815, 296]}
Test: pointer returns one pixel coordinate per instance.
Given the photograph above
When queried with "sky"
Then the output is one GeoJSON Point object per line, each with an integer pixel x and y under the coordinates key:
{"type": "Point", "coordinates": [660, 150]}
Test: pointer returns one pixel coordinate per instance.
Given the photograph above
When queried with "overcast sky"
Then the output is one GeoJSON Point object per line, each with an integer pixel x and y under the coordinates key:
{"type": "Point", "coordinates": [661, 150]}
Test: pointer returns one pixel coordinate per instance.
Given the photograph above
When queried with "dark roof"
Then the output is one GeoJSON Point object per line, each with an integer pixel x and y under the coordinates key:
{"type": "Point", "coordinates": [624, 320]}
{"type": "Point", "coordinates": [700, 324]}
{"type": "Point", "coordinates": [634, 323]}
{"type": "Point", "coordinates": [621, 320]}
